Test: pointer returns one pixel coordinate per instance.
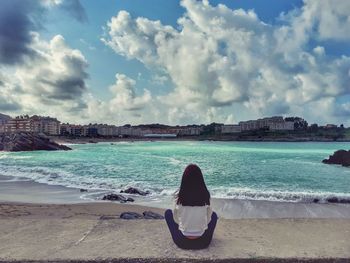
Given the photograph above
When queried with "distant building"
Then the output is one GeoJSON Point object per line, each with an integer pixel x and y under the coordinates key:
{"type": "Point", "coordinates": [184, 130]}
{"type": "Point", "coordinates": [3, 121]}
{"type": "Point", "coordinates": [227, 129]}
{"type": "Point", "coordinates": [36, 124]}
{"type": "Point", "coordinates": [133, 131]}
{"type": "Point", "coordinates": [72, 129]}
{"type": "Point", "coordinates": [91, 131]}
{"type": "Point", "coordinates": [249, 125]}
{"type": "Point", "coordinates": [276, 123]}
{"type": "Point", "coordinates": [19, 124]}
{"type": "Point", "coordinates": [331, 126]}
{"type": "Point", "coordinates": [160, 135]}
{"type": "Point", "coordinates": [46, 125]}
{"type": "Point", "coordinates": [281, 126]}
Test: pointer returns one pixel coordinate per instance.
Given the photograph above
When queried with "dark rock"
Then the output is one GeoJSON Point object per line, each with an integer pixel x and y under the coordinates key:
{"type": "Point", "coordinates": [83, 190]}
{"type": "Point", "coordinates": [341, 157]}
{"type": "Point", "coordinates": [130, 215]}
{"type": "Point", "coordinates": [338, 200]}
{"type": "Point", "coordinates": [344, 201]}
{"type": "Point", "coordinates": [316, 200]}
{"type": "Point", "coordinates": [333, 200]}
{"type": "Point", "coordinates": [135, 191]}
{"type": "Point", "coordinates": [145, 215]}
{"type": "Point", "coordinates": [152, 215]}
{"type": "Point", "coordinates": [26, 141]}
{"type": "Point", "coordinates": [117, 197]}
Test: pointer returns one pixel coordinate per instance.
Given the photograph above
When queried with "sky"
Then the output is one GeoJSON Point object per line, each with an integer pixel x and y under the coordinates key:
{"type": "Point", "coordinates": [175, 62]}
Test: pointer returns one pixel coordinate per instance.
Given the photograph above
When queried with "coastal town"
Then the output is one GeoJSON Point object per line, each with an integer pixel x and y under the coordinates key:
{"type": "Point", "coordinates": [264, 127]}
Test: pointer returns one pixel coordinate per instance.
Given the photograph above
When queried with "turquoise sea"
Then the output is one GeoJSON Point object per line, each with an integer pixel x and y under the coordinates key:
{"type": "Point", "coordinates": [277, 171]}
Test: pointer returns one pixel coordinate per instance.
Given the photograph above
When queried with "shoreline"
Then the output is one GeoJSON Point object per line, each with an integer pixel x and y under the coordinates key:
{"type": "Point", "coordinates": [28, 191]}
{"type": "Point", "coordinates": [87, 140]}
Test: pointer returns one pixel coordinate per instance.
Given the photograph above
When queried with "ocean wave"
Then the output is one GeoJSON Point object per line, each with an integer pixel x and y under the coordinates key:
{"type": "Point", "coordinates": [57, 176]}
{"type": "Point", "coordinates": [52, 176]}
{"type": "Point", "coordinates": [282, 196]}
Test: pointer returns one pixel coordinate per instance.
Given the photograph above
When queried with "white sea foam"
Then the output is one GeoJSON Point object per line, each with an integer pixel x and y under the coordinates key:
{"type": "Point", "coordinates": [280, 196]}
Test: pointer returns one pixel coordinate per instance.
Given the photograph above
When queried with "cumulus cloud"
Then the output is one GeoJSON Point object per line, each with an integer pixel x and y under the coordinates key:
{"type": "Point", "coordinates": [221, 64]}
{"type": "Point", "coordinates": [219, 58]}
{"type": "Point", "coordinates": [17, 19]}
{"type": "Point", "coordinates": [125, 105]}
{"type": "Point", "coordinates": [8, 100]}
{"type": "Point", "coordinates": [51, 76]}
{"type": "Point", "coordinates": [124, 96]}
{"type": "Point", "coordinates": [325, 20]}
{"type": "Point", "coordinates": [56, 73]}
{"type": "Point", "coordinates": [53, 82]}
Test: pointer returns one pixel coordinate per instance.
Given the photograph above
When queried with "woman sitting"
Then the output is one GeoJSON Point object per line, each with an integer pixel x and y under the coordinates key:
{"type": "Point", "coordinates": [193, 222]}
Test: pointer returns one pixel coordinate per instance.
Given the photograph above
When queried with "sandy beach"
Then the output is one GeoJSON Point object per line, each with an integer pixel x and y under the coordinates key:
{"type": "Point", "coordinates": [66, 228]}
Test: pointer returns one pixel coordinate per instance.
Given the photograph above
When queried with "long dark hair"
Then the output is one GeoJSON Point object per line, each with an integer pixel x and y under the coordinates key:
{"type": "Point", "coordinates": [193, 191]}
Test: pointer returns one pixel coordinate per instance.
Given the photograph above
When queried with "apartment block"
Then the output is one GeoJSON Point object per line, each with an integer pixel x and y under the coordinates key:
{"type": "Point", "coordinates": [227, 129]}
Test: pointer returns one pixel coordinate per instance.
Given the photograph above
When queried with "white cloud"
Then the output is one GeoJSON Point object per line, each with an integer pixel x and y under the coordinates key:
{"type": "Point", "coordinates": [219, 58]}
{"type": "Point", "coordinates": [124, 95]}
{"type": "Point", "coordinates": [225, 65]}
{"type": "Point", "coordinates": [124, 105]}
{"type": "Point", "coordinates": [8, 99]}
{"type": "Point", "coordinates": [327, 19]}
{"type": "Point", "coordinates": [51, 82]}
{"type": "Point", "coordinates": [56, 73]}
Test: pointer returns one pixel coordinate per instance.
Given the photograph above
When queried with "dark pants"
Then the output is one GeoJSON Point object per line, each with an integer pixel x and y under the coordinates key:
{"type": "Point", "coordinates": [185, 243]}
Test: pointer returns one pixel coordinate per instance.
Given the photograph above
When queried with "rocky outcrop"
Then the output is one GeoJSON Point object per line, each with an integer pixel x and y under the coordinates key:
{"type": "Point", "coordinates": [341, 157]}
{"type": "Point", "coordinates": [16, 142]}
{"type": "Point", "coordinates": [135, 191]}
{"type": "Point", "coordinates": [117, 197]}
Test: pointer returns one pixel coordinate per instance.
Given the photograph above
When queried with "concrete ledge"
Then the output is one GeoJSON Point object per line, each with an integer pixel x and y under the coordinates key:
{"type": "Point", "coordinates": [184, 260]}
{"type": "Point", "coordinates": [76, 233]}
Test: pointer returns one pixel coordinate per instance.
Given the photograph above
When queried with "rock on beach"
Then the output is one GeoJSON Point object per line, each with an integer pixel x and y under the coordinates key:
{"type": "Point", "coordinates": [117, 197]}
{"type": "Point", "coordinates": [341, 157]}
{"type": "Point", "coordinates": [145, 215]}
{"type": "Point", "coordinates": [135, 191]}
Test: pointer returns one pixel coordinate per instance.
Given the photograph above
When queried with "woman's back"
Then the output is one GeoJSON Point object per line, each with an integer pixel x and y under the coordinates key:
{"type": "Point", "coordinates": [192, 220]}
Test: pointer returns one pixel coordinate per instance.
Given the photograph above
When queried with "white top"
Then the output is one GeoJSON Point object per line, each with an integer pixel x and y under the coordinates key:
{"type": "Point", "coordinates": [192, 220]}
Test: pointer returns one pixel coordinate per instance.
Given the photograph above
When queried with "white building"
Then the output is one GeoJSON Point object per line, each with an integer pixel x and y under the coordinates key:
{"type": "Point", "coordinates": [271, 123]}
{"type": "Point", "coordinates": [282, 126]}
{"type": "Point", "coordinates": [186, 131]}
{"type": "Point", "coordinates": [234, 128]}
{"type": "Point", "coordinates": [19, 124]}
{"type": "Point", "coordinates": [46, 125]}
